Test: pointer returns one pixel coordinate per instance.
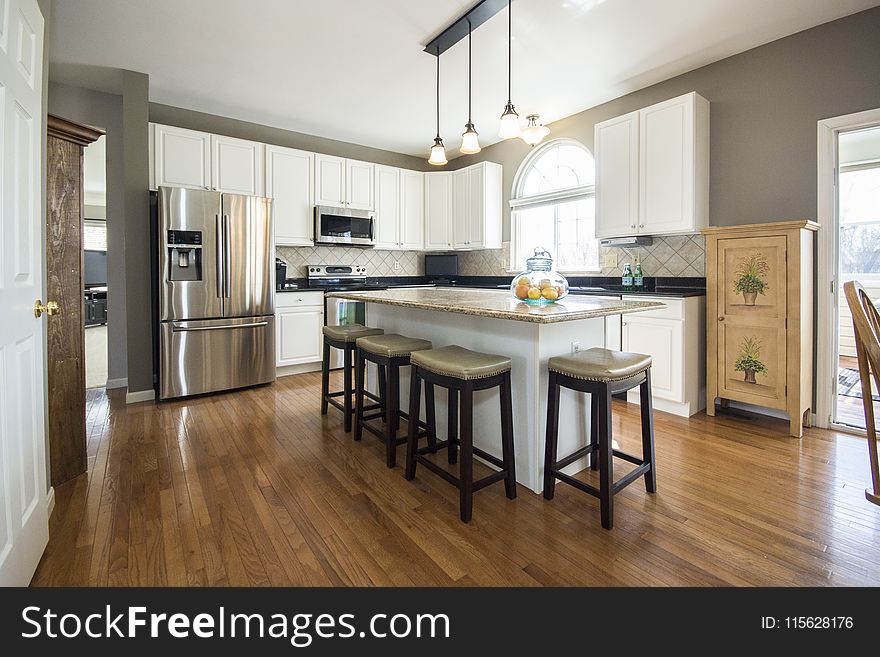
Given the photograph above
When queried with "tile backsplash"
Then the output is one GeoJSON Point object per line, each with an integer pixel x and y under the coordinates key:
{"type": "Point", "coordinates": [673, 256]}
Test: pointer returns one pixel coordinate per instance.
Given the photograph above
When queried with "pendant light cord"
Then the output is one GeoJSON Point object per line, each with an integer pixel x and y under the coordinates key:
{"type": "Point", "coordinates": [509, 48]}
{"type": "Point", "coordinates": [438, 92]}
{"type": "Point", "coordinates": [469, 71]}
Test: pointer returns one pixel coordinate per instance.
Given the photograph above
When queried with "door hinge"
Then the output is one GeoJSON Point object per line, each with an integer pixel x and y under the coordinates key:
{"type": "Point", "coordinates": [832, 287]}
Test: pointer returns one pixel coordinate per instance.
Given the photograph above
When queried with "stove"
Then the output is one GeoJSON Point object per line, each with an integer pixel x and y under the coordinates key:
{"type": "Point", "coordinates": [338, 278]}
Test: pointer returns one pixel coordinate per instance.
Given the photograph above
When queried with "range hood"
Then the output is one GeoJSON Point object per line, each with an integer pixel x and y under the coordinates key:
{"type": "Point", "coordinates": [635, 240]}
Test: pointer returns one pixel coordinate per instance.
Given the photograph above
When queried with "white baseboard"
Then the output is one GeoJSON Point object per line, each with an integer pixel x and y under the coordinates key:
{"type": "Point", "coordinates": [297, 369]}
{"type": "Point", "coordinates": [139, 396]}
{"type": "Point", "coordinates": [117, 383]}
{"type": "Point", "coordinates": [50, 501]}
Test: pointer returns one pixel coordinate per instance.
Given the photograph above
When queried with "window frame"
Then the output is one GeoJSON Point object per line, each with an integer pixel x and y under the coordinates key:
{"type": "Point", "coordinates": [518, 203]}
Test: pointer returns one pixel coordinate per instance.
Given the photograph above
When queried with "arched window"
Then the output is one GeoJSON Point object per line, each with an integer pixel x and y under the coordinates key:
{"type": "Point", "coordinates": [553, 206]}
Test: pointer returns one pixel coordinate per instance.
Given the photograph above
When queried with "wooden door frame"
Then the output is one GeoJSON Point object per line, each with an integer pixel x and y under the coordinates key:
{"type": "Point", "coordinates": [828, 131]}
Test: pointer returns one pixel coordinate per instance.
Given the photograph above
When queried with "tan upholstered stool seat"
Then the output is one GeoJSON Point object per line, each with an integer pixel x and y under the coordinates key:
{"type": "Point", "coordinates": [461, 363]}
{"type": "Point", "coordinates": [350, 332]}
{"type": "Point", "coordinates": [599, 364]}
{"type": "Point", "coordinates": [392, 345]}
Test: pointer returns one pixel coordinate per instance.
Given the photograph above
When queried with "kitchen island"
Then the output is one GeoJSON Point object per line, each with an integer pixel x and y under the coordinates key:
{"type": "Point", "coordinates": [492, 321]}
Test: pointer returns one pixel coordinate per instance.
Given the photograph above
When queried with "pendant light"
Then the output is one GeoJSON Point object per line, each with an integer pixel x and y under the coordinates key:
{"type": "Point", "coordinates": [470, 142]}
{"type": "Point", "coordinates": [533, 133]}
{"type": "Point", "coordinates": [509, 118]}
{"type": "Point", "coordinates": [438, 151]}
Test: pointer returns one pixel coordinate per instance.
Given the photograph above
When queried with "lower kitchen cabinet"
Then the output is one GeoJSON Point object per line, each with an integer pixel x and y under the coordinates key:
{"type": "Point", "coordinates": [675, 338]}
{"type": "Point", "coordinates": [299, 319]}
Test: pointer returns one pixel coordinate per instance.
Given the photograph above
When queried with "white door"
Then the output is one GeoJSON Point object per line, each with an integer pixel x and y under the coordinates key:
{"type": "Point", "coordinates": [289, 183]}
{"type": "Point", "coordinates": [617, 176]}
{"type": "Point", "coordinates": [182, 157]}
{"type": "Point", "coordinates": [461, 216]}
{"type": "Point", "coordinates": [359, 185]}
{"type": "Point", "coordinates": [438, 211]}
{"type": "Point", "coordinates": [666, 169]}
{"type": "Point", "coordinates": [24, 522]}
{"type": "Point", "coordinates": [387, 198]}
{"type": "Point", "coordinates": [237, 166]}
{"type": "Point", "coordinates": [662, 339]}
{"type": "Point", "coordinates": [329, 181]}
{"type": "Point", "coordinates": [476, 207]}
{"type": "Point", "coordinates": [298, 335]}
{"type": "Point", "coordinates": [412, 210]}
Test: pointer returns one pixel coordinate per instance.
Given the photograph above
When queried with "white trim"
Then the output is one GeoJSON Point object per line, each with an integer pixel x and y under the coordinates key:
{"type": "Point", "coordinates": [117, 383]}
{"type": "Point", "coordinates": [826, 214]}
{"type": "Point", "coordinates": [139, 396]}
{"type": "Point", "coordinates": [50, 501]}
{"type": "Point", "coordinates": [548, 198]}
{"type": "Point", "coordinates": [290, 370]}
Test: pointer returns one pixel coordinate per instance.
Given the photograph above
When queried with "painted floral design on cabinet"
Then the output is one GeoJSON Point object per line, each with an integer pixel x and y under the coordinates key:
{"type": "Point", "coordinates": [751, 277]}
{"type": "Point", "coordinates": [749, 359]}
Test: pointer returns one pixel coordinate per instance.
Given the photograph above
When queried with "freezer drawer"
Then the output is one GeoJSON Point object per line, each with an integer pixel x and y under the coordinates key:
{"type": "Point", "coordinates": [219, 354]}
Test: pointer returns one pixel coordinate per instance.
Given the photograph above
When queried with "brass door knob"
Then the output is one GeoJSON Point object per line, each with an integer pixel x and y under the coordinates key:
{"type": "Point", "coordinates": [721, 319]}
{"type": "Point", "coordinates": [50, 308]}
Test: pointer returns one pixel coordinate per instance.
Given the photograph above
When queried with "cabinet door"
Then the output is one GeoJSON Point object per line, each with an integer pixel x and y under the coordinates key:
{"type": "Point", "coordinates": [182, 157]}
{"type": "Point", "coordinates": [666, 168]}
{"type": "Point", "coordinates": [289, 183]}
{"type": "Point", "coordinates": [461, 218]}
{"type": "Point", "coordinates": [438, 211]}
{"type": "Point", "coordinates": [662, 340]}
{"type": "Point", "coordinates": [751, 322]}
{"type": "Point", "coordinates": [617, 176]}
{"type": "Point", "coordinates": [298, 335]}
{"type": "Point", "coordinates": [329, 181]}
{"type": "Point", "coordinates": [476, 207]}
{"type": "Point", "coordinates": [412, 210]}
{"type": "Point", "coordinates": [237, 166]}
{"type": "Point", "coordinates": [387, 198]}
{"type": "Point", "coordinates": [359, 185]}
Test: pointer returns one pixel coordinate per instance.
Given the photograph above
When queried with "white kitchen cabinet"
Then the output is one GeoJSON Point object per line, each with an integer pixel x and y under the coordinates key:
{"type": "Point", "coordinates": [476, 207]}
{"type": "Point", "coordinates": [359, 185]}
{"type": "Point", "coordinates": [237, 166]}
{"type": "Point", "coordinates": [675, 338]}
{"type": "Point", "coordinates": [329, 180]}
{"type": "Point", "coordinates": [387, 200]}
{"type": "Point", "coordinates": [181, 158]}
{"type": "Point", "coordinates": [289, 183]}
{"type": "Point", "coordinates": [616, 145]}
{"type": "Point", "coordinates": [664, 188]}
{"type": "Point", "coordinates": [299, 319]}
{"type": "Point", "coordinates": [438, 211]}
{"type": "Point", "coordinates": [461, 214]}
{"type": "Point", "coordinates": [412, 210]}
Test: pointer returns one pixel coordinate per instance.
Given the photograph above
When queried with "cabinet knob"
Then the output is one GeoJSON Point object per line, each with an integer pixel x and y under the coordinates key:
{"type": "Point", "coordinates": [721, 319]}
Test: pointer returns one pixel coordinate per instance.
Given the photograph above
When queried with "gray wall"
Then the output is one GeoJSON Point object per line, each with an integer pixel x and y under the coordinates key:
{"type": "Point", "coordinates": [220, 125]}
{"type": "Point", "coordinates": [104, 111]}
{"type": "Point", "coordinates": [764, 107]}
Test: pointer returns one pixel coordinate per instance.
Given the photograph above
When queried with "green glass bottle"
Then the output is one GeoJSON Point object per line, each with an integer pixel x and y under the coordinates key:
{"type": "Point", "coordinates": [638, 277]}
{"type": "Point", "coordinates": [626, 280]}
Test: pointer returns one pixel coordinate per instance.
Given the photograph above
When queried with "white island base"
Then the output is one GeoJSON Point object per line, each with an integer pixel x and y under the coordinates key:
{"type": "Point", "coordinates": [529, 345]}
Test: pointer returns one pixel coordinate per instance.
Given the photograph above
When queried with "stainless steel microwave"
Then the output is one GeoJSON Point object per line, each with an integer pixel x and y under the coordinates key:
{"type": "Point", "coordinates": [343, 226]}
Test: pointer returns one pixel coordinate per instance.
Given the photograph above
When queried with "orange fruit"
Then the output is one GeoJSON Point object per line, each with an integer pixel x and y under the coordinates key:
{"type": "Point", "coordinates": [550, 293]}
{"type": "Point", "coordinates": [521, 291]}
{"type": "Point", "coordinates": [534, 293]}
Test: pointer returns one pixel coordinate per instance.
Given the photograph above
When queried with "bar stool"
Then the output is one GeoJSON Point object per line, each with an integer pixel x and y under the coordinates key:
{"type": "Point", "coordinates": [389, 352]}
{"type": "Point", "coordinates": [602, 373]}
{"type": "Point", "coordinates": [462, 372]}
{"type": "Point", "coordinates": [342, 337]}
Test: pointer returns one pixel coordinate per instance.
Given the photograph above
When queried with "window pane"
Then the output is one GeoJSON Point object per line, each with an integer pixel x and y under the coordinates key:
{"type": "Point", "coordinates": [535, 230]}
{"type": "Point", "coordinates": [560, 167]}
{"type": "Point", "coordinates": [94, 235]}
{"type": "Point", "coordinates": [577, 247]}
{"type": "Point", "coordinates": [860, 196]}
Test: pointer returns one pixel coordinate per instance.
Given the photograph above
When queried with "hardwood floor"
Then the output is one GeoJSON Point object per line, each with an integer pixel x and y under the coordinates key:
{"type": "Point", "coordinates": [257, 488]}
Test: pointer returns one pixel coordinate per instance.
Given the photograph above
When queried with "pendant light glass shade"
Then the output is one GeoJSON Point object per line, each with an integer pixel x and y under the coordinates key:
{"type": "Point", "coordinates": [533, 133]}
{"type": "Point", "coordinates": [470, 143]}
{"type": "Point", "coordinates": [438, 153]}
{"type": "Point", "coordinates": [509, 118]}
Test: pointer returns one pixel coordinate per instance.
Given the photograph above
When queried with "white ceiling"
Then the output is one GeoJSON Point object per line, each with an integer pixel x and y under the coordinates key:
{"type": "Point", "coordinates": [354, 70]}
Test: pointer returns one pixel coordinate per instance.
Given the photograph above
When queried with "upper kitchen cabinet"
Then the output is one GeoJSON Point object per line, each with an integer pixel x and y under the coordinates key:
{"type": "Point", "coordinates": [476, 207]}
{"type": "Point", "coordinates": [359, 185]}
{"type": "Point", "coordinates": [181, 157]}
{"type": "Point", "coordinates": [387, 199]}
{"type": "Point", "coordinates": [412, 210]}
{"type": "Point", "coordinates": [289, 183]}
{"type": "Point", "coordinates": [237, 166]}
{"type": "Point", "coordinates": [654, 174]}
{"type": "Point", "coordinates": [438, 211]}
{"type": "Point", "coordinates": [343, 183]}
{"type": "Point", "coordinates": [461, 215]}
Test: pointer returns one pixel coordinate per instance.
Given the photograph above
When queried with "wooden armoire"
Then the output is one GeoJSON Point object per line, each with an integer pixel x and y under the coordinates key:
{"type": "Point", "coordinates": [759, 323]}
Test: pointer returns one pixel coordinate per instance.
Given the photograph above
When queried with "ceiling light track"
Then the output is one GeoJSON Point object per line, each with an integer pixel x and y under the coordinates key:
{"type": "Point", "coordinates": [458, 30]}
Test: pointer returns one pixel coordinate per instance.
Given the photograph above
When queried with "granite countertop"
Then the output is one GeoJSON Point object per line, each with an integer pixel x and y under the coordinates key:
{"type": "Point", "coordinates": [497, 304]}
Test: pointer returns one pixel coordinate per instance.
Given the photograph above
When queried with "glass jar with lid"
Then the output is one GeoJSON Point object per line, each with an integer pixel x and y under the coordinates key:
{"type": "Point", "coordinates": [539, 284]}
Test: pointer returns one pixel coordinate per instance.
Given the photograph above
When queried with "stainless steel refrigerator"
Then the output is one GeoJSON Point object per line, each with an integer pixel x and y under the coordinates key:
{"type": "Point", "coordinates": [216, 291]}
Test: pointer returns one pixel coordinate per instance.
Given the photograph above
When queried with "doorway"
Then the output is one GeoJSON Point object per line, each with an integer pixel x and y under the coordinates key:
{"type": "Point", "coordinates": [95, 279]}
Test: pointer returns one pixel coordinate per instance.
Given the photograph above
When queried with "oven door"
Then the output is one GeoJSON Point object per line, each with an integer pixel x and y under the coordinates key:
{"type": "Point", "coordinates": [343, 226]}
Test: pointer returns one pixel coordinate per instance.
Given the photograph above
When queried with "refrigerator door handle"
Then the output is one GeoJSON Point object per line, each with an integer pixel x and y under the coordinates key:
{"type": "Point", "coordinates": [177, 328]}
{"type": "Point", "coordinates": [227, 266]}
{"type": "Point", "coordinates": [219, 247]}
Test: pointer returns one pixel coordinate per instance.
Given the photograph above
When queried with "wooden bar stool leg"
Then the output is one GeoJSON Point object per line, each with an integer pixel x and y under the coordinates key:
{"type": "Point", "coordinates": [594, 431]}
{"type": "Point", "coordinates": [325, 377]}
{"type": "Point", "coordinates": [346, 388]}
{"type": "Point", "coordinates": [412, 438]}
{"type": "Point", "coordinates": [606, 466]}
{"type": "Point", "coordinates": [381, 376]}
{"type": "Point", "coordinates": [392, 413]}
{"type": "Point", "coordinates": [552, 435]}
{"type": "Point", "coordinates": [452, 425]}
{"type": "Point", "coordinates": [466, 472]}
{"type": "Point", "coordinates": [430, 415]}
{"type": "Point", "coordinates": [359, 376]}
{"type": "Point", "coordinates": [647, 413]}
{"type": "Point", "coordinates": [507, 452]}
